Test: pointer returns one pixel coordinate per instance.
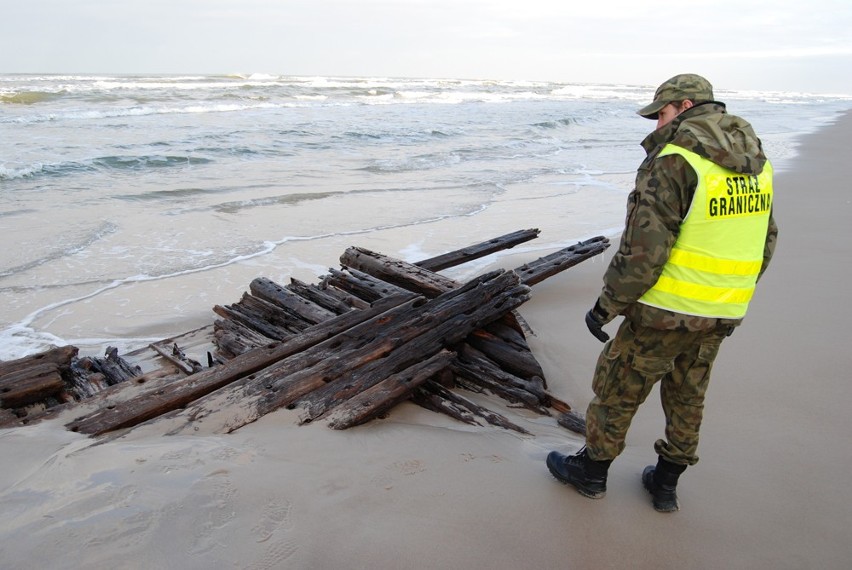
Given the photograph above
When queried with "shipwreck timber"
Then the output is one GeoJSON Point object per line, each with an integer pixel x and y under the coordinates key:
{"type": "Point", "coordinates": [376, 332]}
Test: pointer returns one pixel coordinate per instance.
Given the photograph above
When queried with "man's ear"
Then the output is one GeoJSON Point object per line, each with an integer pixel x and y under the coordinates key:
{"type": "Point", "coordinates": [687, 104]}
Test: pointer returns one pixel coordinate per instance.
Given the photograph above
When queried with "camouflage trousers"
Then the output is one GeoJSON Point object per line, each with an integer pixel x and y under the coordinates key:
{"type": "Point", "coordinates": [627, 369]}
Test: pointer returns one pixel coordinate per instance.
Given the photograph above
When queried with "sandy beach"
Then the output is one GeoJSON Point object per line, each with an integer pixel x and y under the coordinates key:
{"type": "Point", "coordinates": [421, 491]}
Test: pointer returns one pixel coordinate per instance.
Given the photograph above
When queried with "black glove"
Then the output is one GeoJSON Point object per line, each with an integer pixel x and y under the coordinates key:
{"type": "Point", "coordinates": [594, 320]}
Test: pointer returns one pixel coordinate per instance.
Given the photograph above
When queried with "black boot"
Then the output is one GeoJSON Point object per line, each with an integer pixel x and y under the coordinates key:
{"type": "Point", "coordinates": [661, 482]}
{"type": "Point", "coordinates": [579, 470]}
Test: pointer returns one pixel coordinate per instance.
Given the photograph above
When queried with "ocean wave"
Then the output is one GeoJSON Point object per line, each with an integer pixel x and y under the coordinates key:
{"type": "Point", "coordinates": [414, 163]}
{"type": "Point", "coordinates": [557, 123]}
{"type": "Point", "coordinates": [282, 200]}
{"type": "Point", "coordinates": [67, 249]}
{"type": "Point", "coordinates": [131, 163]}
{"type": "Point", "coordinates": [139, 111]}
{"type": "Point", "coordinates": [148, 161]}
{"type": "Point", "coordinates": [47, 170]}
{"type": "Point", "coordinates": [29, 97]}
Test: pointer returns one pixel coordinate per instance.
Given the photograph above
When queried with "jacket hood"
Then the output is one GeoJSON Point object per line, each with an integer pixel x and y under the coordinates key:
{"type": "Point", "coordinates": [709, 131]}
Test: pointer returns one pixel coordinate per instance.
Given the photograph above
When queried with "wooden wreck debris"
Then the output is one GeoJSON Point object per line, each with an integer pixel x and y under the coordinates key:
{"type": "Point", "coordinates": [61, 356]}
{"type": "Point", "coordinates": [346, 349]}
{"type": "Point", "coordinates": [479, 250]}
{"type": "Point", "coordinates": [370, 402]}
{"type": "Point", "coordinates": [413, 277]}
{"type": "Point", "coordinates": [55, 377]}
{"type": "Point", "coordinates": [178, 394]}
{"type": "Point", "coordinates": [30, 385]}
{"type": "Point", "coordinates": [343, 367]}
{"type": "Point", "coordinates": [435, 397]}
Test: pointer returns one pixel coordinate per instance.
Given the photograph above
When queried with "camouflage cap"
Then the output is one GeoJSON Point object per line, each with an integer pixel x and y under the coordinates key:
{"type": "Point", "coordinates": [678, 88]}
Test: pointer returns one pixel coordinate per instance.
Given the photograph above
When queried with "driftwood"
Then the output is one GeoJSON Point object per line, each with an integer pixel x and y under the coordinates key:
{"type": "Point", "coordinates": [30, 385]}
{"type": "Point", "coordinates": [178, 394]}
{"type": "Point", "coordinates": [372, 401]}
{"type": "Point", "coordinates": [254, 319]}
{"type": "Point", "coordinates": [299, 308]}
{"type": "Point", "coordinates": [61, 356]}
{"type": "Point", "coordinates": [348, 349]}
{"type": "Point", "coordinates": [377, 349]}
{"type": "Point", "coordinates": [415, 278]}
{"type": "Point", "coordinates": [558, 261]}
{"type": "Point", "coordinates": [433, 396]}
{"type": "Point", "coordinates": [178, 358]}
{"type": "Point", "coordinates": [477, 251]}
{"type": "Point", "coordinates": [323, 298]}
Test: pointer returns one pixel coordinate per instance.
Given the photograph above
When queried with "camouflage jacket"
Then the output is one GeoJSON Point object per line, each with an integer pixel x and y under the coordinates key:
{"type": "Point", "coordinates": [660, 201]}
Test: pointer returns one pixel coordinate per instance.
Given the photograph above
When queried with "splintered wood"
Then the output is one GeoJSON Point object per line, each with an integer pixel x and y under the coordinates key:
{"type": "Point", "coordinates": [377, 332]}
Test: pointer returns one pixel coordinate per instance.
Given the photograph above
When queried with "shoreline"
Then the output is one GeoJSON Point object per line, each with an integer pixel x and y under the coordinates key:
{"type": "Point", "coordinates": [417, 490]}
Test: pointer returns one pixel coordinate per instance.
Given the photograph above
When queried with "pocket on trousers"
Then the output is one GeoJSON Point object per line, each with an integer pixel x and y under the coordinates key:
{"type": "Point", "coordinates": [653, 367]}
{"type": "Point", "coordinates": [607, 369]}
{"type": "Point", "coordinates": [709, 349]}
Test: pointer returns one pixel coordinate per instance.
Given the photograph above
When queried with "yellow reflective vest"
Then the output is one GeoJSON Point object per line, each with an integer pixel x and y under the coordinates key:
{"type": "Point", "coordinates": [716, 259]}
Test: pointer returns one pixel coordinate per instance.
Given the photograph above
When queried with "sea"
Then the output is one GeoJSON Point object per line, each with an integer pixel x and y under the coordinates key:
{"type": "Point", "coordinates": [130, 205]}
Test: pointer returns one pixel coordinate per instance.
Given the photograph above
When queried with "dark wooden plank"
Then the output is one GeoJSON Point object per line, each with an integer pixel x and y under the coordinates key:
{"type": "Point", "coordinates": [364, 286]}
{"type": "Point", "coordinates": [180, 393]}
{"type": "Point", "coordinates": [433, 396]}
{"type": "Point", "coordinates": [420, 280]}
{"type": "Point", "coordinates": [61, 356]}
{"type": "Point", "coordinates": [249, 319]}
{"type": "Point", "coordinates": [383, 348]}
{"type": "Point", "coordinates": [380, 397]}
{"type": "Point", "coordinates": [476, 251]}
{"type": "Point", "coordinates": [30, 385]}
{"type": "Point", "coordinates": [558, 261]}
{"type": "Point", "coordinates": [510, 356]}
{"type": "Point", "coordinates": [289, 301]}
{"type": "Point", "coordinates": [397, 272]}
{"type": "Point", "coordinates": [476, 367]}
{"type": "Point", "coordinates": [233, 338]}
{"type": "Point", "coordinates": [322, 298]}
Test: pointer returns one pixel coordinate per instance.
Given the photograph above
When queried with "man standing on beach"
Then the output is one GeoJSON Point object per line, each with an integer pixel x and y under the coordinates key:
{"type": "Point", "coordinates": [699, 234]}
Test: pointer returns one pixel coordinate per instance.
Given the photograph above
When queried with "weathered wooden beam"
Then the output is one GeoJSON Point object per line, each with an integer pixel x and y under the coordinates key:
{"type": "Point", "coordinates": [289, 301]}
{"type": "Point", "coordinates": [149, 405]}
{"type": "Point", "coordinates": [358, 362]}
{"type": "Point", "coordinates": [380, 397]}
{"type": "Point", "coordinates": [476, 251]}
{"type": "Point", "coordinates": [509, 355]}
{"type": "Point", "coordinates": [91, 388]}
{"type": "Point", "coordinates": [476, 367]}
{"type": "Point", "coordinates": [115, 368]}
{"type": "Point", "coordinates": [558, 261]}
{"type": "Point", "coordinates": [177, 358]}
{"type": "Point", "coordinates": [421, 280]}
{"type": "Point", "coordinates": [323, 298]}
{"type": "Point", "coordinates": [407, 276]}
{"type": "Point", "coordinates": [435, 397]}
{"type": "Point", "coordinates": [362, 285]}
{"type": "Point", "coordinates": [446, 328]}
{"type": "Point", "coordinates": [397, 272]}
{"type": "Point", "coordinates": [344, 296]}
{"type": "Point", "coordinates": [233, 338]}
{"type": "Point", "coordinates": [572, 421]}
{"type": "Point", "coordinates": [252, 320]}
{"type": "Point", "coordinates": [61, 356]}
{"type": "Point", "coordinates": [30, 385]}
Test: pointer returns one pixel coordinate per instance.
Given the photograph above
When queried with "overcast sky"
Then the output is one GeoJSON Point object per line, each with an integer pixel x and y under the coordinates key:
{"type": "Point", "coordinates": [738, 44]}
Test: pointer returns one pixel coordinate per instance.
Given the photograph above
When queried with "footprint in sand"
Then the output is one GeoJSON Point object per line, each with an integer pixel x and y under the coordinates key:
{"type": "Point", "coordinates": [218, 492]}
{"type": "Point", "coordinates": [274, 522]}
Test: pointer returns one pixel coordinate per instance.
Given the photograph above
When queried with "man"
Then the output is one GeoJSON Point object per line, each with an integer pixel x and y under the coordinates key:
{"type": "Point", "coordinates": [699, 234]}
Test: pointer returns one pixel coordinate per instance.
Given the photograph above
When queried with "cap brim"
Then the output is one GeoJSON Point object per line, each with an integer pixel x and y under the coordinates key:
{"type": "Point", "coordinates": [652, 111]}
